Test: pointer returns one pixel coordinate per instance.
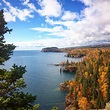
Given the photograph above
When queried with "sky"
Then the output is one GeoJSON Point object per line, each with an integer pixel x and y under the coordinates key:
{"type": "Point", "coordinates": [60, 23]}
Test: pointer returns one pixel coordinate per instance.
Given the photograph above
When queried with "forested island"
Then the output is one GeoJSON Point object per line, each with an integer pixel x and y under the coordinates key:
{"type": "Point", "coordinates": [51, 49]}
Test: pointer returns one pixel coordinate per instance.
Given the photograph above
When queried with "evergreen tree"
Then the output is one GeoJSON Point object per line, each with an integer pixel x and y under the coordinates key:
{"type": "Point", "coordinates": [11, 81]}
{"type": "Point", "coordinates": [67, 64]}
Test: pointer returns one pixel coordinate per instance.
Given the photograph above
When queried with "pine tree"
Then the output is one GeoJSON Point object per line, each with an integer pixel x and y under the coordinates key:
{"type": "Point", "coordinates": [11, 81]}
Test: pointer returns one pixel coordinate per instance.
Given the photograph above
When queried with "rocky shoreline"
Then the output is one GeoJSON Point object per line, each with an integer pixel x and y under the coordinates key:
{"type": "Point", "coordinates": [70, 97]}
{"type": "Point", "coordinates": [65, 86]}
{"type": "Point", "coordinates": [76, 88]}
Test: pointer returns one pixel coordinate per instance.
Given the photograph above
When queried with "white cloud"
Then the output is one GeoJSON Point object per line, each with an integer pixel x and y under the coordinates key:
{"type": "Point", "coordinates": [69, 15]}
{"type": "Point", "coordinates": [55, 31]}
{"type": "Point", "coordinates": [26, 2]}
{"type": "Point", "coordinates": [39, 44]}
{"type": "Point", "coordinates": [51, 8]}
{"type": "Point", "coordinates": [87, 2]}
{"type": "Point", "coordinates": [13, 12]}
{"type": "Point", "coordinates": [8, 16]}
{"type": "Point", "coordinates": [98, 14]}
{"type": "Point", "coordinates": [27, 45]}
{"type": "Point", "coordinates": [93, 27]}
{"type": "Point", "coordinates": [106, 29]}
{"type": "Point", "coordinates": [30, 5]}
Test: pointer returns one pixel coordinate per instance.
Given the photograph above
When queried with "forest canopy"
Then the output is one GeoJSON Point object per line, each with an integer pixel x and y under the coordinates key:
{"type": "Point", "coordinates": [90, 88]}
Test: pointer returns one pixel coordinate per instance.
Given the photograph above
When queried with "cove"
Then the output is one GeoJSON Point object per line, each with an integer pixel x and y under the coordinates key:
{"type": "Point", "coordinates": [42, 78]}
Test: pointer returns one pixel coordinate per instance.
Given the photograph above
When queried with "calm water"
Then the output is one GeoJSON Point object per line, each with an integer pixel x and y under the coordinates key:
{"type": "Point", "coordinates": [42, 78]}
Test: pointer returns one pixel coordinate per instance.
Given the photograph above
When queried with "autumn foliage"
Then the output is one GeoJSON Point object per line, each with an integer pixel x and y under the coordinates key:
{"type": "Point", "coordinates": [90, 87]}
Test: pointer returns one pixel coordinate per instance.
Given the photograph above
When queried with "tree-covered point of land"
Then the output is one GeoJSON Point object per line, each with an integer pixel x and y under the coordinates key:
{"type": "Point", "coordinates": [11, 81]}
{"type": "Point", "coordinates": [90, 88]}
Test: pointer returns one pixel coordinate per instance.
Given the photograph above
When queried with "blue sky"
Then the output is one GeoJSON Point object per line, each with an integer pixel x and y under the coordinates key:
{"type": "Point", "coordinates": [62, 23]}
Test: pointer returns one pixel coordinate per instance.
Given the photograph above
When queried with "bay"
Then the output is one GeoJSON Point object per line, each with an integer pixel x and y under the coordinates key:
{"type": "Point", "coordinates": [43, 78]}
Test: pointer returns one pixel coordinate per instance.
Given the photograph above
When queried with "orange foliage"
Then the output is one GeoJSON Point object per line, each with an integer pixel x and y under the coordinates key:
{"type": "Point", "coordinates": [83, 103]}
{"type": "Point", "coordinates": [91, 79]}
{"type": "Point", "coordinates": [103, 84]}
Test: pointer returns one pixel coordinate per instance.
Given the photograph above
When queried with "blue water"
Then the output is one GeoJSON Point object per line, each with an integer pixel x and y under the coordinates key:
{"type": "Point", "coordinates": [42, 78]}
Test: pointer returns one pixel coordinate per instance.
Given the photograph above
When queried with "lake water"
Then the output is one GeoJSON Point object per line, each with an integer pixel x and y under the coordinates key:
{"type": "Point", "coordinates": [42, 78]}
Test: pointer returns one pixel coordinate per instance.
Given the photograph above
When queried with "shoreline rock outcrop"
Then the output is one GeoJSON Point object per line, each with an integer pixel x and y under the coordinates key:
{"type": "Point", "coordinates": [70, 69]}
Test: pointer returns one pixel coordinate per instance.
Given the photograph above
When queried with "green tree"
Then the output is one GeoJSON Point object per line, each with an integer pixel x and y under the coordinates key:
{"type": "Point", "coordinates": [11, 81]}
{"type": "Point", "coordinates": [55, 108]}
{"type": "Point", "coordinates": [67, 64]}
